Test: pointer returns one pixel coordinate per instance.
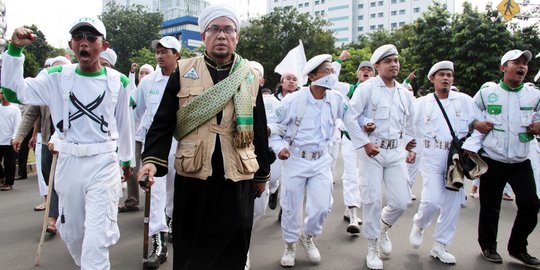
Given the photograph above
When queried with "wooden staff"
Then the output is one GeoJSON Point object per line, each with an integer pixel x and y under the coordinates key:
{"type": "Point", "coordinates": [47, 206]}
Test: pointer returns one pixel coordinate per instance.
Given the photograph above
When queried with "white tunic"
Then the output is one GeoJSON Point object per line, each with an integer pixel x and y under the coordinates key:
{"type": "Point", "coordinates": [10, 118]}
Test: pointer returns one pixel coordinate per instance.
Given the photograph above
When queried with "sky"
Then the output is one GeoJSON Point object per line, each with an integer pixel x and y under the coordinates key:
{"type": "Point", "coordinates": [55, 17]}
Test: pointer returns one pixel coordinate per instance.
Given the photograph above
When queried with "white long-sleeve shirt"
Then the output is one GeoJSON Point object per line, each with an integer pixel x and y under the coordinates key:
{"type": "Point", "coordinates": [10, 119]}
{"type": "Point", "coordinates": [149, 93]}
{"type": "Point", "coordinates": [315, 129]}
{"type": "Point", "coordinates": [511, 111]}
{"type": "Point", "coordinates": [390, 108]}
{"type": "Point", "coordinates": [93, 118]}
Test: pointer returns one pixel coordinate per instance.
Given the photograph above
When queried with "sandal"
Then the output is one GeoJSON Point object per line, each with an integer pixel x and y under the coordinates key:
{"type": "Point", "coordinates": [6, 187]}
{"type": "Point", "coordinates": [51, 226]}
{"type": "Point", "coordinates": [40, 207]}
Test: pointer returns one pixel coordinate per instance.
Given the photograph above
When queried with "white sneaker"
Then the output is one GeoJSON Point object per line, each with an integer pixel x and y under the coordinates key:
{"type": "Point", "coordinates": [416, 236]}
{"type": "Point", "coordinates": [372, 258]}
{"type": "Point", "coordinates": [439, 251]}
{"type": "Point", "coordinates": [311, 250]}
{"type": "Point", "coordinates": [385, 245]}
{"type": "Point", "coordinates": [353, 227]}
{"type": "Point", "coordinates": [287, 260]}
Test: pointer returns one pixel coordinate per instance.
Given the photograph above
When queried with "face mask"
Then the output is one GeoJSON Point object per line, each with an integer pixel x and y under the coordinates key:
{"type": "Point", "coordinates": [327, 81]}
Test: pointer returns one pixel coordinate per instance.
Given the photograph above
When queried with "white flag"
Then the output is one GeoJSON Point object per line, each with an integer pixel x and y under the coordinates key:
{"type": "Point", "coordinates": [294, 62]}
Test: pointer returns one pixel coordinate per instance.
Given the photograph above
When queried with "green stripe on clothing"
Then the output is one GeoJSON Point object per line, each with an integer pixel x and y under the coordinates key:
{"type": "Point", "coordinates": [103, 71]}
{"type": "Point", "coordinates": [244, 120]}
{"type": "Point", "coordinates": [10, 95]}
{"type": "Point", "coordinates": [54, 69]}
{"type": "Point", "coordinates": [14, 50]}
{"type": "Point", "coordinates": [124, 80]}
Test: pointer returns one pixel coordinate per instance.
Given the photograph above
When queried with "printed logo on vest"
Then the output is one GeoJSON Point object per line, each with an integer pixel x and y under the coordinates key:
{"type": "Point", "coordinates": [492, 98]}
{"type": "Point", "coordinates": [191, 74]}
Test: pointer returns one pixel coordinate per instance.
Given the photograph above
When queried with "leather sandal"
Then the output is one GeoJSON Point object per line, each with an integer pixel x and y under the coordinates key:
{"type": "Point", "coordinates": [40, 207]}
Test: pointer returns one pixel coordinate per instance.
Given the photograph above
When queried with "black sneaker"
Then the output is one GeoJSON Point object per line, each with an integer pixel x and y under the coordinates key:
{"type": "Point", "coordinates": [490, 254]}
{"type": "Point", "coordinates": [525, 258]}
{"type": "Point", "coordinates": [272, 200]}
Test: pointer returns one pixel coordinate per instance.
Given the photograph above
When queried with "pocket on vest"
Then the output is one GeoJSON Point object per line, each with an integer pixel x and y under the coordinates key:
{"type": "Point", "coordinates": [188, 158]}
{"type": "Point", "coordinates": [248, 161]}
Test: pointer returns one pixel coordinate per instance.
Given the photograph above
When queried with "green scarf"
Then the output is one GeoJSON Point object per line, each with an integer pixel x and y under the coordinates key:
{"type": "Point", "coordinates": [205, 106]}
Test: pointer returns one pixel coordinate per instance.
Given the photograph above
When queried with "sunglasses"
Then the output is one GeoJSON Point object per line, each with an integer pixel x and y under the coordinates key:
{"type": "Point", "coordinates": [90, 36]}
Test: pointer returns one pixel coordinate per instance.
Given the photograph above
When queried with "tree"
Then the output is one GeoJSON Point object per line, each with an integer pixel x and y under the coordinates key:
{"type": "Point", "coordinates": [130, 29]}
{"type": "Point", "coordinates": [36, 53]}
{"type": "Point", "coordinates": [350, 66]}
{"type": "Point", "coordinates": [269, 38]}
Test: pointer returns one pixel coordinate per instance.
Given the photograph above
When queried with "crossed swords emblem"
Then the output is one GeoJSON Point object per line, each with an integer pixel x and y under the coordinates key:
{"type": "Point", "coordinates": [85, 110]}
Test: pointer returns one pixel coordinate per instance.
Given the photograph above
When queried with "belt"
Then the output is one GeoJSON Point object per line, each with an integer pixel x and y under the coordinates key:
{"type": "Point", "coordinates": [443, 145]}
{"type": "Point", "coordinates": [84, 150]}
{"type": "Point", "coordinates": [386, 144]}
{"type": "Point", "coordinates": [306, 154]}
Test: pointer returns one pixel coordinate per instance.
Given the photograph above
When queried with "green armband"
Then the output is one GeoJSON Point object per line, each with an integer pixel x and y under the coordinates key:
{"type": "Point", "coordinates": [14, 50]}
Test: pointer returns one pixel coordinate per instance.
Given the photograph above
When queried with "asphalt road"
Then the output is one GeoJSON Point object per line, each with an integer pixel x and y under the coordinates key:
{"type": "Point", "coordinates": [20, 229]}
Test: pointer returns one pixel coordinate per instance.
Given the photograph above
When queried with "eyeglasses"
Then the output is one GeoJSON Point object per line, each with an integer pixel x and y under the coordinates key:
{"type": "Point", "coordinates": [216, 30]}
{"type": "Point", "coordinates": [78, 36]}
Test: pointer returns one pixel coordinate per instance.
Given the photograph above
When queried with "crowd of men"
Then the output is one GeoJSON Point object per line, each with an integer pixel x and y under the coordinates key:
{"type": "Point", "coordinates": [217, 146]}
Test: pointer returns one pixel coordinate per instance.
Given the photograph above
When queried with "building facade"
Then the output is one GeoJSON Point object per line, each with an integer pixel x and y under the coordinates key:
{"type": "Point", "coordinates": [151, 5]}
{"type": "Point", "coordinates": [351, 18]}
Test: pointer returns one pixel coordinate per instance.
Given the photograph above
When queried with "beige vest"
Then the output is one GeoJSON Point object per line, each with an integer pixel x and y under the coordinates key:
{"type": "Point", "coordinates": [194, 151]}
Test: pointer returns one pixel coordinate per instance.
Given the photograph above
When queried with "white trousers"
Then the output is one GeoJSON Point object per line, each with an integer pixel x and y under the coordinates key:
{"type": "Point", "coordinates": [171, 174]}
{"type": "Point", "coordinates": [436, 197]}
{"type": "Point", "coordinates": [412, 169]}
{"type": "Point", "coordinates": [88, 190]}
{"type": "Point", "coordinates": [275, 177]}
{"type": "Point", "coordinates": [314, 179]}
{"type": "Point", "coordinates": [387, 168]}
{"type": "Point", "coordinates": [259, 207]}
{"type": "Point", "coordinates": [535, 163]}
{"type": "Point", "coordinates": [351, 182]}
{"type": "Point", "coordinates": [43, 188]}
{"type": "Point", "coordinates": [158, 200]}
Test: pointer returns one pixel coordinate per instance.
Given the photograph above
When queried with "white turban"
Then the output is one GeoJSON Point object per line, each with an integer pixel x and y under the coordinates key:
{"type": "Point", "coordinates": [147, 67]}
{"type": "Point", "coordinates": [257, 66]}
{"type": "Point", "coordinates": [215, 11]}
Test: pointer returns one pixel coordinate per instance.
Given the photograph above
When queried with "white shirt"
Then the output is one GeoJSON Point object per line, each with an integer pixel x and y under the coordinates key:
{"type": "Point", "coordinates": [511, 112]}
{"type": "Point", "coordinates": [149, 94]}
{"type": "Point", "coordinates": [315, 129]}
{"type": "Point", "coordinates": [10, 119]}
{"type": "Point", "coordinates": [391, 110]}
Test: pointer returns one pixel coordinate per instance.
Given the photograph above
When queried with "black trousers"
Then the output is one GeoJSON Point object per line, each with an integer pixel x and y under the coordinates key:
{"type": "Point", "coordinates": [9, 156]}
{"type": "Point", "coordinates": [22, 156]}
{"type": "Point", "coordinates": [212, 222]}
{"type": "Point", "coordinates": [520, 177]}
{"type": "Point", "coordinates": [46, 163]}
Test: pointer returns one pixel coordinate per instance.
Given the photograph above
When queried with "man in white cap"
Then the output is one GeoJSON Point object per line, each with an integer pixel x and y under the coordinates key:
{"type": "Point", "coordinates": [351, 186]}
{"type": "Point", "coordinates": [149, 94]}
{"type": "Point", "coordinates": [513, 109]}
{"type": "Point", "coordinates": [380, 157]}
{"type": "Point", "coordinates": [108, 58]}
{"type": "Point", "coordinates": [309, 117]}
{"type": "Point", "coordinates": [434, 134]}
{"type": "Point", "coordinates": [213, 106]}
{"type": "Point", "coordinates": [89, 108]}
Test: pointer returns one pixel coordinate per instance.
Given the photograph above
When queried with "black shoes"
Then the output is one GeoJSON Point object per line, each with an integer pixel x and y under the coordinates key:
{"type": "Point", "coordinates": [159, 251]}
{"type": "Point", "coordinates": [490, 254]}
{"type": "Point", "coordinates": [170, 232]}
{"type": "Point", "coordinates": [525, 258]}
{"type": "Point", "coordinates": [272, 199]}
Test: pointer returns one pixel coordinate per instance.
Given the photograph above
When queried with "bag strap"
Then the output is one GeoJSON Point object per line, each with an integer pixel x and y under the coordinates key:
{"type": "Point", "coordinates": [446, 118]}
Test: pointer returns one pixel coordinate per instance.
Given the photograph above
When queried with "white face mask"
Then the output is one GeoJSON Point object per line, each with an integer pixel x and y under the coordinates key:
{"type": "Point", "coordinates": [327, 81]}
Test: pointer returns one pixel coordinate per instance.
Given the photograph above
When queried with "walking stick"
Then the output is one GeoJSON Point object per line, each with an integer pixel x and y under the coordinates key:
{"type": "Point", "coordinates": [143, 182]}
{"type": "Point", "coordinates": [47, 207]}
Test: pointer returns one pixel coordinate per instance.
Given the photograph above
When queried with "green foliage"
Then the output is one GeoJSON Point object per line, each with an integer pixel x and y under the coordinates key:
{"type": "Point", "coordinates": [269, 38]}
{"type": "Point", "coordinates": [143, 56]}
{"type": "Point", "coordinates": [31, 65]}
{"type": "Point", "coordinates": [129, 30]}
{"type": "Point", "coordinates": [350, 66]}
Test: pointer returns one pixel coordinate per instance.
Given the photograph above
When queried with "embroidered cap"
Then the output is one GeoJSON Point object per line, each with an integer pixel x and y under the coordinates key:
{"type": "Point", "coordinates": [93, 22]}
{"type": "Point", "coordinates": [515, 54]}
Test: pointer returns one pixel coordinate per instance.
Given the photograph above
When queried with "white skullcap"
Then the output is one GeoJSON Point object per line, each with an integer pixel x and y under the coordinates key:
{"type": "Point", "coordinates": [515, 54]}
{"type": "Point", "coordinates": [61, 59]}
{"type": "Point", "coordinates": [383, 52]}
{"type": "Point", "coordinates": [168, 42]}
{"type": "Point", "coordinates": [109, 55]}
{"type": "Point", "coordinates": [215, 11]}
{"type": "Point", "coordinates": [148, 67]}
{"type": "Point", "coordinates": [439, 66]}
{"type": "Point", "coordinates": [93, 22]}
{"type": "Point", "coordinates": [49, 61]}
{"type": "Point", "coordinates": [315, 62]}
{"type": "Point", "coordinates": [487, 84]}
{"type": "Point", "coordinates": [365, 64]}
{"type": "Point", "coordinates": [257, 66]}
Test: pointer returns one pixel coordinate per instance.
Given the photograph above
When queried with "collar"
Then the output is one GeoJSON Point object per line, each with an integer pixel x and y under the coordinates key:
{"type": "Point", "coordinates": [382, 84]}
{"type": "Point", "coordinates": [506, 87]}
{"type": "Point", "coordinates": [212, 64]}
